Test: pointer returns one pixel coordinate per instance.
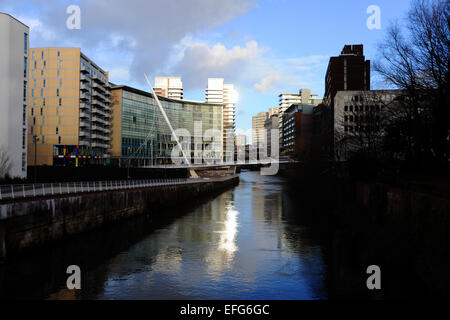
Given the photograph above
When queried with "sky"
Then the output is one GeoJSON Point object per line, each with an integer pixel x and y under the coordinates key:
{"type": "Point", "coordinates": [263, 47]}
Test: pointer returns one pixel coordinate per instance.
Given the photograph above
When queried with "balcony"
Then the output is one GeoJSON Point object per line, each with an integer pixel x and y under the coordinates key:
{"type": "Point", "coordinates": [84, 78]}
{"type": "Point", "coordinates": [84, 70]}
{"type": "Point", "coordinates": [84, 87]}
{"type": "Point", "coordinates": [84, 96]}
{"type": "Point", "coordinates": [84, 115]}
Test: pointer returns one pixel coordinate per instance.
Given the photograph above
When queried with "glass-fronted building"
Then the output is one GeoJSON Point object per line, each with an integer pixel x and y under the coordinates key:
{"type": "Point", "coordinates": [141, 135]}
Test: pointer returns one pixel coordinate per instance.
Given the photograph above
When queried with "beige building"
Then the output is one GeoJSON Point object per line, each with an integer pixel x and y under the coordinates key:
{"type": "Point", "coordinates": [14, 52]}
{"type": "Point", "coordinates": [69, 113]}
{"type": "Point", "coordinates": [258, 122]}
{"type": "Point", "coordinates": [169, 87]}
{"type": "Point", "coordinates": [217, 92]}
{"type": "Point", "coordinates": [273, 111]}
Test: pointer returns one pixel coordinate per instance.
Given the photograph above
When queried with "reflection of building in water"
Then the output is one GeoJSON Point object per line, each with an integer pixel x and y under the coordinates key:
{"type": "Point", "coordinates": [266, 206]}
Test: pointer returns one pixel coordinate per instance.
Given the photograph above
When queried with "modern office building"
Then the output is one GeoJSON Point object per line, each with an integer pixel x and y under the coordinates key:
{"type": "Point", "coordinates": [349, 71]}
{"type": "Point", "coordinates": [361, 115]}
{"type": "Point", "coordinates": [14, 51]}
{"type": "Point", "coordinates": [258, 133]}
{"type": "Point", "coordinates": [217, 92]}
{"type": "Point", "coordinates": [304, 97]}
{"type": "Point", "coordinates": [69, 97]}
{"type": "Point", "coordinates": [141, 136]}
{"type": "Point", "coordinates": [169, 87]}
{"type": "Point", "coordinates": [298, 123]}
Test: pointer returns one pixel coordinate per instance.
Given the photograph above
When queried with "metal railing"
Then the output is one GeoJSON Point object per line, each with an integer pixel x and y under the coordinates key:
{"type": "Point", "coordinates": [21, 191]}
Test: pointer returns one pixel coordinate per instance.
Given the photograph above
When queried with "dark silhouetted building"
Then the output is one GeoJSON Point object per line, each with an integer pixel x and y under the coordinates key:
{"type": "Point", "coordinates": [349, 71]}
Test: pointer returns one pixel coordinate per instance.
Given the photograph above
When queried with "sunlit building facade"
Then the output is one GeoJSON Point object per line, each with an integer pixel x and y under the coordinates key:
{"type": "Point", "coordinates": [169, 87]}
{"type": "Point", "coordinates": [141, 135]}
{"type": "Point", "coordinates": [14, 53]}
{"type": "Point", "coordinates": [69, 109]}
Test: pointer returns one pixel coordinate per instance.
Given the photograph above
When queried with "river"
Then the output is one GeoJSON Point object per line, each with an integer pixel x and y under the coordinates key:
{"type": "Point", "coordinates": [242, 244]}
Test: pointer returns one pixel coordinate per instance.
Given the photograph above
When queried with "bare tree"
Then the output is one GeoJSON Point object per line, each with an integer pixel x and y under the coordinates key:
{"type": "Point", "coordinates": [5, 164]}
{"type": "Point", "coordinates": [416, 60]}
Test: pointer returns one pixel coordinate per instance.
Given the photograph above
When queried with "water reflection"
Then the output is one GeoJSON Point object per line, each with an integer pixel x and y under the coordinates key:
{"type": "Point", "coordinates": [228, 236]}
{"type": "Point", "coordinates": [241, 245]}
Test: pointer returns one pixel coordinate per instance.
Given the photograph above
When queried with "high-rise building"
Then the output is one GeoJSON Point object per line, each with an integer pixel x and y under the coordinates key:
{"type": "Point", "coordinates": [169, 87]}
{"type": "Point", "coordinates": [271, 124]}
{"type": "Point", "coordinates": [69, 110]}
{"type": "Point", "coordinates": [14, 51]}
{"type": "Point", "coordinates": [273, 111]}
{"type": "Point", "coordinates": [141, 135]}
{"type": "Point", "coordinates": [304, 97]}
{"type": "Point", "coordinates": [348, 71]}
{"type": "Point", "coordinates": [219, 92]}
{"type": "Point", "coordinates": [258, 122]}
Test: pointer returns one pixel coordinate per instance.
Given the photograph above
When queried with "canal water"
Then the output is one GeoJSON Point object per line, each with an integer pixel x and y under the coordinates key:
{"type": "Point", "coordinates": [242, 244]}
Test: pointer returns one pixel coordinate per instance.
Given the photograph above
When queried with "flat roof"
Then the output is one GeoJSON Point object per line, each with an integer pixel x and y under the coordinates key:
{"type": "Point", "coordinates": [148, 94]}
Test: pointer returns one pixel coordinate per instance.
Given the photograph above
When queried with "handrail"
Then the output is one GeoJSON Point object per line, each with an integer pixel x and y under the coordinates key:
{"type": "Point", "coordinates": [22, 191]}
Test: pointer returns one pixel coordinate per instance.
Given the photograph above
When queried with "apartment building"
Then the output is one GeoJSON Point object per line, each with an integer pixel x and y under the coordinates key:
{"type": "Point", "coordinates": [169, 87]}
{"type": "Point", "coordinates": [258, 133]}
{"type": "Point", "coordinates": [14, 52]}
{"type": "Point", "coordinates": [217, 92]}
{"type": "Point", "coordinates": [69, 110]}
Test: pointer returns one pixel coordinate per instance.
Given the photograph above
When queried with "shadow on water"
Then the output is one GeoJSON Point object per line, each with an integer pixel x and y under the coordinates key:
{"type": "Point", "coordinates": [251, 242]}
{"type": "Point", "coordinates": [41, 273]}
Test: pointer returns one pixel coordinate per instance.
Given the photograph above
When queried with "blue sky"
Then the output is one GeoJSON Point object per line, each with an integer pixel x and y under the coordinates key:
{"type": "Point", "coordinates": [264, 47]}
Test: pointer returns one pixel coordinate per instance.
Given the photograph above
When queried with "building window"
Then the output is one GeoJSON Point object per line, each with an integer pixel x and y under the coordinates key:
{"type": "Point", "coordinates": [43, 102]}
{"type": "Point", "coordinates": [59, 54]}
{"type": "Point", "coordinates": [25, 59]}
{"type": "Point", "coordinates": [24, 116]}
{"type": "Point", "coordinates": [59, 140]}
{"type": "Point", "coordinates": [60, 102]}
{"type": "Point", "coordinates": [44, 83]}
{"type": "Point", "coordinates": [42, 112]}
{"type": "Point", "coordinates": [57, 92]}
{"type": "Point", "coordinates": [57, 130]}
{"type": "Point", "coordinates": [42, 55]}
{"type": "Point", "coordinates": [25, 43]}
{"type": "Point", "coordinates": [35, 64]}
{"type": "Point", "coordinates": [45, 63]}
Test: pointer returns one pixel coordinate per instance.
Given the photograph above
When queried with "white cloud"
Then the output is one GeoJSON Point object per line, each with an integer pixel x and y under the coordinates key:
{"type": "Point", "coordinates": [268, 83]}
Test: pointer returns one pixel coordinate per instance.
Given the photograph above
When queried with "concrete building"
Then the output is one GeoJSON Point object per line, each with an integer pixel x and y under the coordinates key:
{"type": "Point", "coordinates": [14, 52]}
{"type": "Point", "coordinates": [304, 97]}
{"type": "Point", "coordinates": [258, 134]}
{"type": "Point", "coordinates": [360, 117]}
{"type": "Point", "coordinates": [273, 111]}
{"type": "Point", "coordinates": [240, 140]}
{"type": "Point", "coordinates": [141, 136]}
{"type": "Point", "coordinates": [217, 92]}
{"type": "Point", "coordinates": [169, 87]}
{"type": "Point", "coordinates": [271, 123]}
{"type": "Point", "coordinates": [348, 71]}
{"type": "Point", "coordinates": [69, 110]}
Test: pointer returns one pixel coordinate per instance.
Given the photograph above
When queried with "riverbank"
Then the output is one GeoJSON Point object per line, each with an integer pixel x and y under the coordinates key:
{"type": "Point", "coordinates": [31, 224]}
{"type": "Point", "coordinates": [402, 230]}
